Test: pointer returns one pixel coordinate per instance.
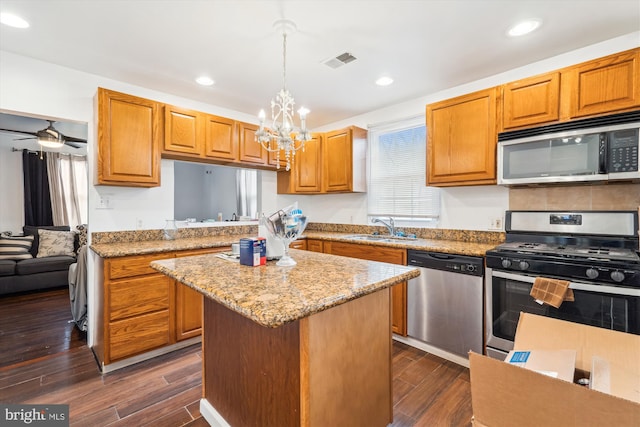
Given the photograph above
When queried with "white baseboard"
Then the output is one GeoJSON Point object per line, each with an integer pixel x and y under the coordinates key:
{"type": "Point", "coordinates": [433, 350]}
{"type": "Point", "coordinates": [212, 416]}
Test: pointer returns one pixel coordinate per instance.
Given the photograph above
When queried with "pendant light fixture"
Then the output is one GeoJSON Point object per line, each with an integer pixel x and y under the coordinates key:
{"type": "Point", "coordinates": [283, 135]}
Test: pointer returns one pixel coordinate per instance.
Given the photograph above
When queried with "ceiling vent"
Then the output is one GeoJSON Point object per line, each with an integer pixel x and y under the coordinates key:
{"type": "Point", "coordinates": [339, 60]}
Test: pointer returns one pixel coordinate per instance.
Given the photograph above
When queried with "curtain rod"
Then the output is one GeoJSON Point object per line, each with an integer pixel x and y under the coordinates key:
{"type": "Point", "coordinates": [14, 149]}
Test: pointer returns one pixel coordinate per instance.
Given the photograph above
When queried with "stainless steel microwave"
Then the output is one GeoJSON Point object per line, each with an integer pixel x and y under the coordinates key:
{"type": "Point", "coordinates": [598, 149]}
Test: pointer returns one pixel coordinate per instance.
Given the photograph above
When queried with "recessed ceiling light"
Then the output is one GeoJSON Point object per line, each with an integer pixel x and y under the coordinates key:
{"type": "Point", "coordinates": [13, 20]}
{"type": "Point", "coordinates": [384, 81]}
{"type": "Point", "coordinates": [524, 27]}
{"type": "Point", "coordinates": [205, 81]}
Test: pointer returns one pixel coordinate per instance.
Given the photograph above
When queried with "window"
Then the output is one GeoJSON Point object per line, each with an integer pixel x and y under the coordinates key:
{"type": "Point", "coordinates": [397, 166]}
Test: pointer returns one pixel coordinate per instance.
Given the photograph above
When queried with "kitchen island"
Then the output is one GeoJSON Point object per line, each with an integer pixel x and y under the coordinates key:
{"type": "Point", "coordinates": [308, 345]}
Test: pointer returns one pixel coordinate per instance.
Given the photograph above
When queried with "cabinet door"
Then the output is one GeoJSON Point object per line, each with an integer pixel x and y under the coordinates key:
{"type": "Point", "coordinates": [461, 145]}
{"type": "Point", "coordinates": [183, 131]}
{"type": "Point", "coordinates": [382, 254]}
{"type": "Point", "coordinates": [250, 150]}
{"type": "Point", "coordinates": [129, 140]}
{"type": "Point", "coordinates": [273, 158]}
{"type": "Point", "coordinates": [315, 245]}
{"type": "Point", "coordinates": [337, 161]}
{"type": "Point", "coordinates": [189, 301]}
{"type": "Point", "coordinates": [605, 85]}
{"type": "Point", "coordinates": [531, 101]}
{"type": "Point", "coordinates": [307, 167]}
{"type": "Point", "coordinates": [220, 138]}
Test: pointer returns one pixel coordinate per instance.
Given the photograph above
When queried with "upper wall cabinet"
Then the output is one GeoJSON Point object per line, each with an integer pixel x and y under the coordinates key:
{"type": "Point", "coordinates": [602, 86]}
{"type": "Point", "coordinates": [129, 140]}
{"type": "Point", "coordinates": [332, 162]}
{"type": "Point", "coordinates": [250, 150]}
{"type": "Point", "coordinates": [183, 130]}
{"type": "Point", "coordinates": [220, 138]}
{"type": "Point", "coordinates": [605, 85]}
{"type": "Point", "coordinates": [531, 101]}
{"type": "Point", "coordinates": [343, 160]}
{"type": "Point", "coordinates": [461, 142]}
{"type": "Point", "coordinates": [201, 137]}
{"type": "Point", "coordinates": [305, 176]}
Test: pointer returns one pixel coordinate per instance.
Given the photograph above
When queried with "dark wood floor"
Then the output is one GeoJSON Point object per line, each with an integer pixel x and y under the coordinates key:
{"type": "Point", "coordinates": [44, 359]}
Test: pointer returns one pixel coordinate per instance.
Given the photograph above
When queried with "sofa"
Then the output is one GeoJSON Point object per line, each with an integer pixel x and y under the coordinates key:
{"type": "Point", "coordinates": [39, 259]}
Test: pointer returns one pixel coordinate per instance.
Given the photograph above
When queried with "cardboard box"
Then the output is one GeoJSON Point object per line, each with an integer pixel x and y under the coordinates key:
{"type": "Point", "coordinates": [554, 363]}
{"type": "Point", "coordinates": [506, 395]}
{"type": "Point", "coordinates": [253, 251]}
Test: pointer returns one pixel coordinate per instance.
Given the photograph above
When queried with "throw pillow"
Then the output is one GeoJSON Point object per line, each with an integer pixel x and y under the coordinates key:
{"type": "Point", "coordinates": [15, 247]}
{"type": "Point", "coordinates": [55, 243]}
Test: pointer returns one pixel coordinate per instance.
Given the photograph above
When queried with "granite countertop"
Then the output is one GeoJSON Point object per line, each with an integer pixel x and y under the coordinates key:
{"type": "Point", "coordinates": [457, 247]}
{"type": "Point", "coordinates": [111, 250]}
{"type": "Point", "coordinates": [125, 248]}
{"type": "Point", "coordinates": [272, 296]}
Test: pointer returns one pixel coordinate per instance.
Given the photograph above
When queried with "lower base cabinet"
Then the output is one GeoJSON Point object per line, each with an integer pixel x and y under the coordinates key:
{"type": "Point", "coordinates": [374, 253]}
{"type": "Point", "coordinates": [143, 310]}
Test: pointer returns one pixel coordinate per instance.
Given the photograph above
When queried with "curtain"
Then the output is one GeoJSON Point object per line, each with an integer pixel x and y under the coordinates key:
{"type": "Point", "coordinates": [37, 200]}
{"type": "Point", "coordinates": [247, 192]}
{"type": "Point", "coordinates": [68, 185]}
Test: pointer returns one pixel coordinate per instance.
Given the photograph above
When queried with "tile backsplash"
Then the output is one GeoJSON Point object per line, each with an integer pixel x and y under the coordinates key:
{"type": "Point", "coordinates": [625, 196]}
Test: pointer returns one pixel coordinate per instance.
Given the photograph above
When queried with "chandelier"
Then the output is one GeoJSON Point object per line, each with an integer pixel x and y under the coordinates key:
{"type": "Point", "coordinates": [283, 135]}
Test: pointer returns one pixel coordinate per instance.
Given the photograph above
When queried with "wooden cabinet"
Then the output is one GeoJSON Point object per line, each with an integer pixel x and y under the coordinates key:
{"type": "Point", "coordinates": [137, 305]}
{"type": "Point", "coordinates": [143, 310]}
{"type": "Point", "coordinates": [531, 101]}
{"type": "Point", "coordinates": [305, 175]}
{"type": "Point", "coordinates": [462, 136]}
{"type": "Point", "coordinates": [315, 245]}
{"type": "Point", "coordinates": [382, 254]}
{"type": "Point", "coordinates": [130, 135]}
{"type": "Point", "coordinates": [220, 138]}
{"type": "Point", "coordinates": [183, 131]}
{"type": "Point", "coordinates": [298, 244]}
{"type": "Point", "coordinates": [332, 162]}
{"type": "Point", "coordinates": [605, 85]}
{"type": "Point", "coordinates": [250, 150]}
{"type": "Point", "coordinates": [343, 154]}
{"type": "Point", "coordinates": [189, 302]}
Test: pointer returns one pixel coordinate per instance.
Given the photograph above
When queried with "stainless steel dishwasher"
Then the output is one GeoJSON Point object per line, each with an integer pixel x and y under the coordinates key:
{"type": "Point", "coordinates": [444, 303]}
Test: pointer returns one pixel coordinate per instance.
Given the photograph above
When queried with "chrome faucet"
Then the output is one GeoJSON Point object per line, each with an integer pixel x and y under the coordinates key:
{"type": "Point", "coordinates": [390, 225]}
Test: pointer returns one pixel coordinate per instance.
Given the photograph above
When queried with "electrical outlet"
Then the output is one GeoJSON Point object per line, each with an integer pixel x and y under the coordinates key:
{"type": "Point", "coordinates": [139, 224]}
{"type": "Point", "coordinates": [495, 224]}
{"type": "Point", "coordinates": [104, 202]}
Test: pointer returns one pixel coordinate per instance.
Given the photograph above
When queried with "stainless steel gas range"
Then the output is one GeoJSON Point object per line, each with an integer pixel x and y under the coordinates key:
{"type": "Point", "coordinates": [595, 251]}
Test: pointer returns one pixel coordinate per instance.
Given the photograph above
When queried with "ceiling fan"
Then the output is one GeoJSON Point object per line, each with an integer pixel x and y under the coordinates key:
{"type": "Point", "coordinates": [50, 137]}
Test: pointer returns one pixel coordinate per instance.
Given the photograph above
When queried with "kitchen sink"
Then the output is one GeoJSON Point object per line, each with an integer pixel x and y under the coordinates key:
{"type": "Point", "coordinates": [376, 238]}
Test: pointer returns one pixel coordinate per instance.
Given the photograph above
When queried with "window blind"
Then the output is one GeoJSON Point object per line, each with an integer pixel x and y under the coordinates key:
{"type": "Point", "coordinates": [397, 171]}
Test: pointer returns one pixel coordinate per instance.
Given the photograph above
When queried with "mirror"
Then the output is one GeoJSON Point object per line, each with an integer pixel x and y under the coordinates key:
{"type": "Point", "coordinates": [203, 191]}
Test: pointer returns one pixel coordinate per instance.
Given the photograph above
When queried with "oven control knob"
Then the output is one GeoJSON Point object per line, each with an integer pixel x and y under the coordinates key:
{"type": "Point", "coordinates": [617, 276]}
{"type": "Point", "coordinates": [592, 273]}
{"type": "Point", "coordinates": [506, 263]}
{"type": "Point", "coordinates": [523, 265]}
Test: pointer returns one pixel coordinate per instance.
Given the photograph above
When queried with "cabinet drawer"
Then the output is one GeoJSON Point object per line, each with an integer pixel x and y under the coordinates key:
{"type": "Point", "coordinates": [131, 266]}
{"type": "Point", "coordinates": [137, 296]}
{"type": "Point", "coordinates": [139, 334]}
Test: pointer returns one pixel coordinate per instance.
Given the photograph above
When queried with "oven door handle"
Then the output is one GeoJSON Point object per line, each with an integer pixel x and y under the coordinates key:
{"type": "Point", "coordinates": [614, 290]}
